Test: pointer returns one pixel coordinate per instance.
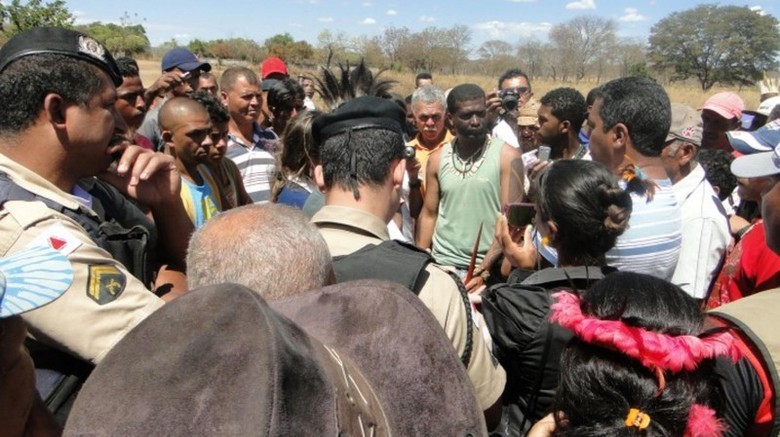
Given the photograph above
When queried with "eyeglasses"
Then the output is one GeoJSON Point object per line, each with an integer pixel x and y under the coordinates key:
{"type": "Point", "coordinates": [519, 89]}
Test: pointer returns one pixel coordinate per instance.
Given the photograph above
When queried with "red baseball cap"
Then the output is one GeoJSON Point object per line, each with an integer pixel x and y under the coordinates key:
{"type": "Point", "coordinates": [272, 65]}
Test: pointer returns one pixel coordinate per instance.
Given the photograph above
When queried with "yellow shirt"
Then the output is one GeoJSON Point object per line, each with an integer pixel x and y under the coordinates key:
{"type": "Point", "coordinates": [422, 153]}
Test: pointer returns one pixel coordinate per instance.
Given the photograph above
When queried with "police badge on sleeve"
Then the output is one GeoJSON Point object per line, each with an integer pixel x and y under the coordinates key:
{"type": "Point", "coordinates": [105, 283]}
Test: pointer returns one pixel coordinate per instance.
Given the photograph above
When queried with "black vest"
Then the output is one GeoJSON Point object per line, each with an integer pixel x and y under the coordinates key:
{"type": "Point", "coordinates": [129, 246]}
{"type": "Point", "coordinates": [401, 263]}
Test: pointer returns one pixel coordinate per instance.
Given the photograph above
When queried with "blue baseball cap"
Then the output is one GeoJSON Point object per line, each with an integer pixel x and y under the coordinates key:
{"type": "Point", "coordinates": [764, 139]}
{"type": "Point", "coordinates": [32, 278]}
{"type": "Point", "coordinates": [184, 60]}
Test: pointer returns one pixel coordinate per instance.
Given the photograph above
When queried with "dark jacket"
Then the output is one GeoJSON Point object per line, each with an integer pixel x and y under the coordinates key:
{"type": "Point", "coordinates": [526, 343]}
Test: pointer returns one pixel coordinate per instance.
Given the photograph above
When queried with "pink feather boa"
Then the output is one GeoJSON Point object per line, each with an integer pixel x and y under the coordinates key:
{"type": "Point", "coordinates": [652, 349]}
{"type": "Point", "coordinates": [702, 422]}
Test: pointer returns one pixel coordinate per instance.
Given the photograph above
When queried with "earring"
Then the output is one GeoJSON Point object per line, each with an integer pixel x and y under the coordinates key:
{"type": "Point", "coordinates": [545, 241]}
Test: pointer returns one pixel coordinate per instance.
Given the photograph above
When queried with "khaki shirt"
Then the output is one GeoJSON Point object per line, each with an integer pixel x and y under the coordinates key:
{"type": "Point", "coordinates": [103, 302]}
{"type": "Point", "coordinates": [346, 230]}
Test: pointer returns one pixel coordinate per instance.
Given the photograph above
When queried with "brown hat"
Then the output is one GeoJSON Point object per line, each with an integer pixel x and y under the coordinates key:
{"type": "Point", "coordinates": [686, 125]}
{"type": "Point", "coordinates": [528, 113]}
{"type": "Point", "coordinates": [400, 347]}
{"type": "Point", "coordinates": [219, 361]}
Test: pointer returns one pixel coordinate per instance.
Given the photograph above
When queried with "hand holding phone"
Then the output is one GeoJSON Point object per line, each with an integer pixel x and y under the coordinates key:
{"type": "Point", "coordinates": [543, 154]}
{"type": "Point", "coordinates": [520, 215]}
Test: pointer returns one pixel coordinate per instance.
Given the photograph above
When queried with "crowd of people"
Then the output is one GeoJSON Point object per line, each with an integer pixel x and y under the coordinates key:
{"type": "Point", "coordinates": [243, 253]}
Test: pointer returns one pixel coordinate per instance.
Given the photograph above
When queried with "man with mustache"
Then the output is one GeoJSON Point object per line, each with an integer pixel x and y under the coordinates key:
{"type": "Point", "coordinates": [429, 107]}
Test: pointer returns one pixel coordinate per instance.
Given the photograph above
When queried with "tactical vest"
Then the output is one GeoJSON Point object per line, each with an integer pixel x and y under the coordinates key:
{"type": "Point", "coordinates": [402, 263]}
{"type": "Point", "coordinates": [128, 246]}
{"type": "Point", "coordinates": [757, 317]}
{"type": "Point", "coordinates": [59, 376]}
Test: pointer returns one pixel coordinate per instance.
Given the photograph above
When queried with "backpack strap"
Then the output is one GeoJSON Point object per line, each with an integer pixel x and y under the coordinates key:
{"type": "Point", "coordinates": [9, 190]}
{"type": "Point", "coordinates": [128, 246]}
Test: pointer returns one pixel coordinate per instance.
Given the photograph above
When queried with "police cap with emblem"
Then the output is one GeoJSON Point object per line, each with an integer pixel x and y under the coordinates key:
{"type": "Point", "coordinates": [221, 361]}
{"type": "Point", "coordinates": [366, 112]}
{"type": "Point", "coordinates": [61, 41]}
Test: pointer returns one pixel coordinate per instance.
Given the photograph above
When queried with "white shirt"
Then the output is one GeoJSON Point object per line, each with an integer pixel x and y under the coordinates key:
{"type": "Point", "coordinates": [705, 233]}
{"type": "Point", "coordinates": [506, 133]}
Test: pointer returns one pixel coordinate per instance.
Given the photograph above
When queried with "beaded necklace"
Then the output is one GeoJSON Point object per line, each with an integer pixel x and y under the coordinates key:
{"type": "Point", "coordinates": [469, 166]}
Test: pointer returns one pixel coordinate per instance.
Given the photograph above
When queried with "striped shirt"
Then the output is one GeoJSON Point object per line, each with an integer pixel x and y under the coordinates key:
{"type": "Point", "coordinates": [651, 244]}
{"type": "Point", "coordinates": [256, 162]}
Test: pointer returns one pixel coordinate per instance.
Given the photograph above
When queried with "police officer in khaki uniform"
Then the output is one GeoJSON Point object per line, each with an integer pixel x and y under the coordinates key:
{"type": "Point", "coordinates": [361, 173]}
{"type": "Point", "coordinates": [58, 130]}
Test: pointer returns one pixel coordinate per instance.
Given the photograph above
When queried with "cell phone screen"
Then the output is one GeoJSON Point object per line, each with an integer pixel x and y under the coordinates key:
{"type": "Point", "coordinates": [544, 153]}
{"type": "Point", "coordinates": [747, 121]}
{"type": "Point", "coordinates": [520, 215]}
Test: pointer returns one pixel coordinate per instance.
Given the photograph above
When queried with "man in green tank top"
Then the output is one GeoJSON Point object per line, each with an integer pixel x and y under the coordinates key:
{"type": "Point", "coordinates": [469, 181]}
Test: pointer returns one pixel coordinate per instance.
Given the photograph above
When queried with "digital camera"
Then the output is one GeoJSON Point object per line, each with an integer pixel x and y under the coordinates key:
{"type": "Point", "coordinates": [409, 152]}
{"type": "Point", "coordinates": [509, 99]}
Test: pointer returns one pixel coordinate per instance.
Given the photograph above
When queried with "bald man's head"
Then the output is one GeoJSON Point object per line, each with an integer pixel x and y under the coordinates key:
{"type": "Point", "coordinates": [270, 248]}
{"type": "Point", "coordinates": [174, 110]}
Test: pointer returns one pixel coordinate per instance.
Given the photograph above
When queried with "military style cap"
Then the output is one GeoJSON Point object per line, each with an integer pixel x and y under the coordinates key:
{"type": "Point", "coordinates": [361, 113]}
{"type": "Point", "coordinates": [61, 41]}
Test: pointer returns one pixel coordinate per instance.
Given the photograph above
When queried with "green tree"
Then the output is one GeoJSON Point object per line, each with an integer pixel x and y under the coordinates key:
{"type": "Point", "coordinates": [120, 39]}
{"type": "Point", "coordinates": [715, 44]}
{"type": "Point", "coordinates": [17, 16]}
{"type": "Point", "coordinates": [199, 47]}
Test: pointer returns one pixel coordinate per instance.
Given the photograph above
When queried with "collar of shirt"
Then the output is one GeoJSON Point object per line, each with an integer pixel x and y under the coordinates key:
{"type": "Point", "coordinates": [260, 138]}
{"type": "Point", "coordinates": [415, 142]}
{"type": "Point", "coordinates": [36, 184]}
{"type": "Point", "coordinates": [687, 185]}
{"type": "Point", "coordinates": [353, 218]}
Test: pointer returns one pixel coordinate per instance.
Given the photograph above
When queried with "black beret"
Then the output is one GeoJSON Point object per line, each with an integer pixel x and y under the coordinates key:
{"type": "Point", "coordinates": [61, 41]}
{"type": "Point", "coordinates": [366, 112]}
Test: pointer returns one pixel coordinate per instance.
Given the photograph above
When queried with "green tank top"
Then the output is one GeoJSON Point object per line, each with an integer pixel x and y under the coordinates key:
{"type": "Point", "coordinates": [468, 196]}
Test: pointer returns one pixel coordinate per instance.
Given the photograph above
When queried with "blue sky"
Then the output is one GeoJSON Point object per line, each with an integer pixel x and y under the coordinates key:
{"type": "Point", "coordinates": [509, 20]}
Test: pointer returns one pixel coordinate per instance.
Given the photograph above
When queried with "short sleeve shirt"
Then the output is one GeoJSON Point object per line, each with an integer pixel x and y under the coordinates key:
{"type": "Point", "coordinates": [346, 230]}
{"type": "Point", "coordinates": [103, 302]}
{"type": "Point", "coordinates": [255, 162]}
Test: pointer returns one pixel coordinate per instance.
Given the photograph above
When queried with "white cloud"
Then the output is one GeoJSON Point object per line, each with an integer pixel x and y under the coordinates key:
{"type": "Point", "coordinates": [391, 12]}
{"type": "Point", "coordinates": [758, 9]}
{"type": "Point", "coordinates": [426, 19]}
{"type": "Point", "coordinates": [313, 2]}
{"type": "Point", "coordinates": [508, 30]}
{"type": "Point", "coordinates": [368, 21]}
{"type": "Point", "coordinates": [523, 1]}
{"type": "Point", "coordinates": [582, 4]}
{"type": "Point", "coordinates": [632, 14]}
{"type": "Point", "coordinates": [325, 19]}
{"type": "Point", "coordinates": [368, 4]}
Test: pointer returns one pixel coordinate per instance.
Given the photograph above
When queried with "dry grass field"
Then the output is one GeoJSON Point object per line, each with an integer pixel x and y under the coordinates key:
{"type": "Point", "coordinates": [688, 93]}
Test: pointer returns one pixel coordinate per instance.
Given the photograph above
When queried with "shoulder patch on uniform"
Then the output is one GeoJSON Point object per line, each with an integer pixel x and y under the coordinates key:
{"type": "Point", "coordinates": [58, 238]}
{"type": "Point", "coordinates": [105, 283]}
